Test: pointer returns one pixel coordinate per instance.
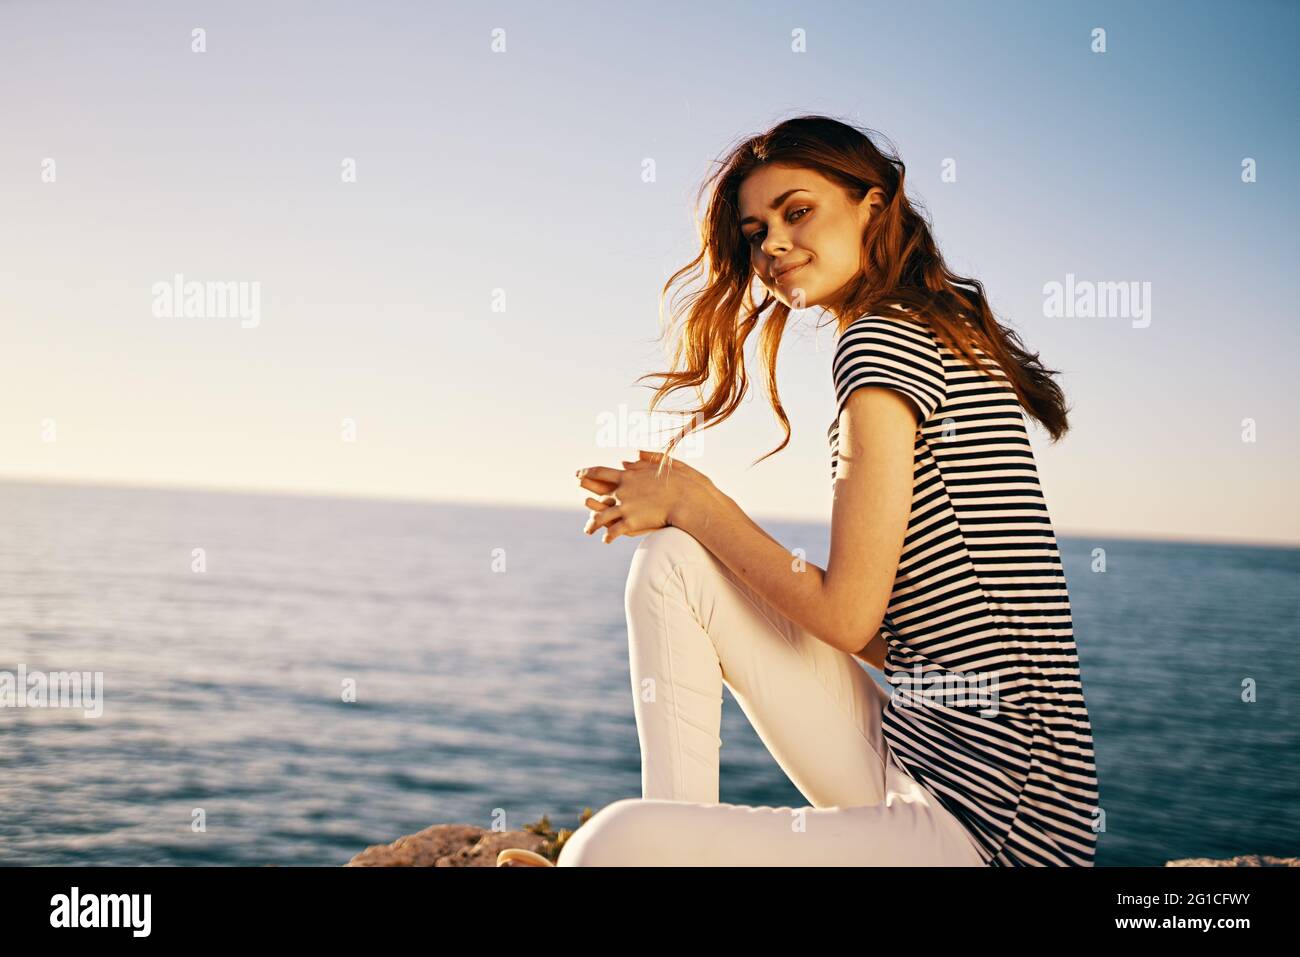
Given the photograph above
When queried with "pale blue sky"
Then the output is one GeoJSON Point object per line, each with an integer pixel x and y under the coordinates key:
{"type": "Point", "coordinates": [521, 171]}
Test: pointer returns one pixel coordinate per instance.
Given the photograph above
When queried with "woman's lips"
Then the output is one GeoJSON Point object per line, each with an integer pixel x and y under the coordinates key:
{"type": "Point", "coordinates": [790, 271]}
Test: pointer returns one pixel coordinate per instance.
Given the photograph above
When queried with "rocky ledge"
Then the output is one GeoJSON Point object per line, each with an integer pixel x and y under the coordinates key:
{"type": "Point", "coordinates": [463, 845]}
{"type": "Point", "coordinates": [1244, 860]}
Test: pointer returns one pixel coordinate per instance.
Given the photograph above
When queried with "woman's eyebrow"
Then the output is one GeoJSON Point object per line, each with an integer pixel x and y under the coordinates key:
{"type": "Point", "coordinates": [775, 203]}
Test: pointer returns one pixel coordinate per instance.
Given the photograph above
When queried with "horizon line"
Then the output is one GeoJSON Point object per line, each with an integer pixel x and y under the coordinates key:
{"type": "Point", "coordinates": [136, 485]}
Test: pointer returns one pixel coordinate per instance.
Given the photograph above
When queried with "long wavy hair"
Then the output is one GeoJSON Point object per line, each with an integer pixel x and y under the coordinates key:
{"type": "Point", "coordinates": [900, 264]}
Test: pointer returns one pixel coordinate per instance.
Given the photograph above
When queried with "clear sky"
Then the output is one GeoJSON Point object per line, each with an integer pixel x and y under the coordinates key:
{"type": "Point", "coordinates": [515, 179]}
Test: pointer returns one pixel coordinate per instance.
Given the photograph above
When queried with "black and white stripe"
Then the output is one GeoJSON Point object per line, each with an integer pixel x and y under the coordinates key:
{"type": "Point", "coordinates": [980, 591]}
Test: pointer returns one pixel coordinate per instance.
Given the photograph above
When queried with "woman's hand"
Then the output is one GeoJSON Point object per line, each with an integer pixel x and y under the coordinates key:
{"type": "Point", "coordinates": [638, 499]}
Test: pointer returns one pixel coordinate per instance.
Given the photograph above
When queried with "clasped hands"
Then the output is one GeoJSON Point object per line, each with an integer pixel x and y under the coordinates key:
{"type": "Point", "coordinates": [637, 499]}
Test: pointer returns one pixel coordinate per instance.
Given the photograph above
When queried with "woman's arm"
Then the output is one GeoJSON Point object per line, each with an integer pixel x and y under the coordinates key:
{"type": "Point", "coordinates": [843, 605]}
{"type": "Point", "coordinates": [874, 653]}
{"type": "Point", "coordinates": [796, 588]}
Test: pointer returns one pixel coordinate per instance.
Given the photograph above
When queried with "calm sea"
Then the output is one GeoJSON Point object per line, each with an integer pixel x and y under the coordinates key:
{"type": "Point", "coordinates": [488, 654]}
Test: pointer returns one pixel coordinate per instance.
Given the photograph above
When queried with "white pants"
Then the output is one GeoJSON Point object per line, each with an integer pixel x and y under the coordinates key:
{"type": "Point", "coordinates": [693, 626]}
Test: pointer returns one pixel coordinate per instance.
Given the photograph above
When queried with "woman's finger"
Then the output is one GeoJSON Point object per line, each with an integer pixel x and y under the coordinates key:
{"type": "Point", "coordinates": [599, 473]}
{"type": "Point", "coordinates": [604, 517]}
{"type": "Point", "coordinates": [600, 504]}
{"type": "Point", "coordinates": [614, 530]}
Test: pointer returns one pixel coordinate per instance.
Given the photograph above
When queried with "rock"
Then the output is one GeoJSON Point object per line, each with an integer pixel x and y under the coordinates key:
{"type": "Point", "coordinates": [464, 845]}
{"type": "Point", "coordinates": [447, 845]}
{"type": "Point", "coordinates": [1244, 860]}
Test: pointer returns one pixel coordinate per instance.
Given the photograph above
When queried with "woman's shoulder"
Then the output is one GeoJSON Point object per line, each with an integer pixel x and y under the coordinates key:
{"type": "Point", "coordinates": [890, 325]}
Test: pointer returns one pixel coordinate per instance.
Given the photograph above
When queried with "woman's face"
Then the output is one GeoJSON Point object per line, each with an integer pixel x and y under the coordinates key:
{"type": "Point", "coordinates": [792, 216]}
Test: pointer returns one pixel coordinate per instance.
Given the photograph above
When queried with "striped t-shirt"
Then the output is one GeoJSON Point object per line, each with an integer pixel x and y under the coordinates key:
{"type": "Point", "coordinates": [987, 709]}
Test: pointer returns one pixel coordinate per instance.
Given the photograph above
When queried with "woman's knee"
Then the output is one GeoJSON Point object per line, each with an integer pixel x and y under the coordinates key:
{"type": "Point", "coordinates": [659, 553]}
{"type": "Point", "coordinates": [608, 838]}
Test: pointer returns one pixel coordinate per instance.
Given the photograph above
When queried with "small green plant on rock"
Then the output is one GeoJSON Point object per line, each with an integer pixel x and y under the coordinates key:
{"type": "Point", "coordinates": [553, 841]}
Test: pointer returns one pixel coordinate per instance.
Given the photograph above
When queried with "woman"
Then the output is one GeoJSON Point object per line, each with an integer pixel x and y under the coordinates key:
{"type": "Point", "coordinates": [943, 570]}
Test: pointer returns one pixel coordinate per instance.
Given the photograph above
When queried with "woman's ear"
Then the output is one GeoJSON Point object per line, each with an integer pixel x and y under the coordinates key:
{"type": "Point", "coordinates": [874, 202]}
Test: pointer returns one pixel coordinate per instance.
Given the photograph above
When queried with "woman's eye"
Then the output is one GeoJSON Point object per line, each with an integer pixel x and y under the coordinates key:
{"type": "Point", "coordinates": [756, 234]}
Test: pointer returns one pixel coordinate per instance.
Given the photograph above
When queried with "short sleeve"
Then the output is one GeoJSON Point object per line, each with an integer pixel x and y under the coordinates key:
{"type": "Point", "coordinates": [894, 353]}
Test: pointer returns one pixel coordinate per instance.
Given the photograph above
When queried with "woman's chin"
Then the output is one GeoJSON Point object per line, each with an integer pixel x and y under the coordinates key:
{"type": "Point", "coordinates": [799, 299]}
